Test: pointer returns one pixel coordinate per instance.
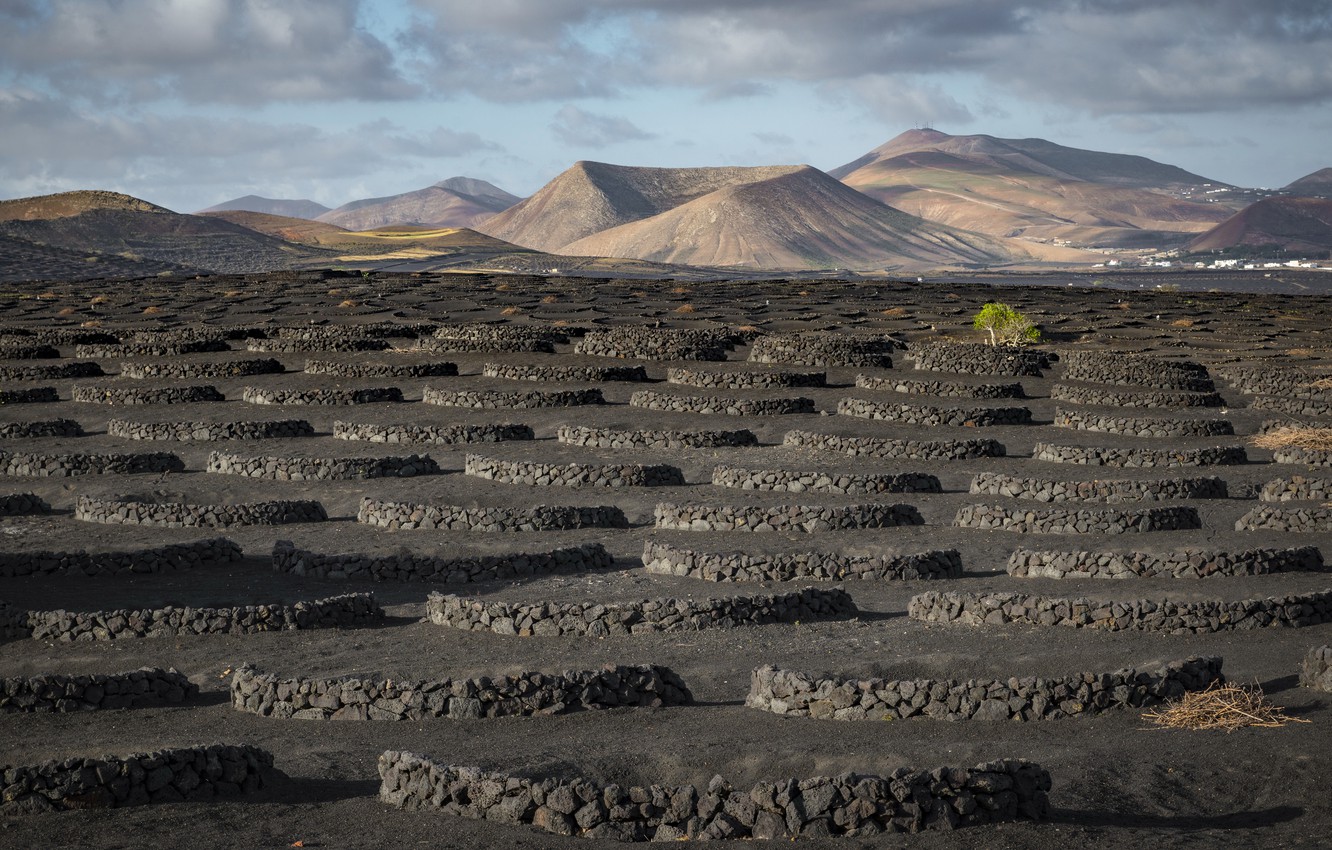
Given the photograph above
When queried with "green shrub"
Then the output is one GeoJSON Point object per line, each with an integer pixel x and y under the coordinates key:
{"type": "Point", "coordinates": [1005, 325]}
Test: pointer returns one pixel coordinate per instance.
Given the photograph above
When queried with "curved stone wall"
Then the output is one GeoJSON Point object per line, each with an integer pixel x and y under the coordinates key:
{"type": "Point", "coordinates": [1302, 456]}
{"type": "Point", "coordinates": [174, 556]}
{"type": "Point", "coordinates": [1316, 669]}
{"type": "Point", "coordinates": [35, 395]}
{"type": "Point", "coordinates": [22, 504]}
{"type": "Point", "coordinates": [38, 465]}
{"type": "Point", "coordinates": [61, 336]}
{"type": "Point", "coordinates": [321, 397]}
{"type": "Point", "coordinates": [566, 374]}
{"type": "Point", "coordinates": [797, 518]}
{"type": "Point", "coordinates": [194, 430]}
{"type": "Point", "coordinates": [942, 389]}
{"type": "Point", "coordinates": [1061, 521]}
{"type": "Point", "coordinates": [978, 359]}
{"type": "Point", "coordinates": [380, 370]}
{"type": "Point", "coordinates": [822, 481]}
{"type": "Point", "coordinates": [819, 349]}
{"type": "Point", "coordinates": [745, 380]}
{"type": "Point", "coordinates": [147, 686]}
{"type": "Point", "coordinates": [1139, 370]}
{"type": "Point", "coordinates": [721, 404]}
{"type": "Point", "coordinates": [661, 559]}
{"type": "Point", "coordinates": [879, 447]}
{"type": "Point", "coordinates": [1294, 406]}
{"type": "Point", "coordinates": [1163, 615]}
{"type": "Point", "coordinates": [383, 330]}
{"type": "Point", "coordinates": [43, 428]}
{"type": "Point", "coordinates": [1102, 456]}
{"type": "Point", "coordinates": [146, 395]}
{"type": "Point", "coordinates": [321, 468]}
{"type": "Point", "coordinates": [609, 438]}
{"type": "Point", "coordinates": [1141, 426]}
{"type": "Point", "coordinates": [497, 338]}
{"type": "Point", "coordinates": [346, 611]}
{"type": "Point", "coordinates": [1182, 563]}
{"type": "Point", "coordinates": [523, 695]}
{"type": "Point", "coordinates": [495, 400]}
{"type": "Point", "coordinates": [1082, 394]}
{"type": "Point", "coordinates": [408, 566]}
{"type": "Point", "coordinates": [1274, 380]}
{"type": "Point", "coordinates": [330, 344]}
{"type": "Point", "coordinates": [151, 349]}
{"type": "Point", "coordinates": [28, 352]}
{"type": "Point", "coordinates": [113, 511]}
{"type": "Point", "coordinates": [51, 372]}
{"type": "Point", "coordinates": [224, 369]}
{"type": "Point", "coordinates": [793, 694]}
{"type": "Point", "coordinates": [598, 619]}
{"type": "Point", "coordinates": [411, 515]}
{"type": "Point", "coordinates": [465, 345]}
{"type": "Point", "coordinates": [1297, 488]}
{"type": "Point", "coordinates": [440, 434]}
{"type": "Point", "coordinates": [1099, 490]}
{"type": "Point", "coordinates": [920, 414]}
{"type": "Point", "coordinates": [1298, 520]}
{"type": "Point", "coordinates": [814, 807]}
{"type": "Point", "coordinates": [640, 343]}
{"type": "Point", "coordinates": [177, 775]}
{"type": "Point", "coordinates": [573, 474]}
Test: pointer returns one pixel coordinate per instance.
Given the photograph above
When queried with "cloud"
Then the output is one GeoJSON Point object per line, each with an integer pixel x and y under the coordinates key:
{"type": "Point", "coordinates": [774, 138]}
{"type": "Point", "coordinates": [899, 101]}
{"type": "Point", "coordinates": [200, 51]}
{"type": "Point", "coordinates": [579, 128]}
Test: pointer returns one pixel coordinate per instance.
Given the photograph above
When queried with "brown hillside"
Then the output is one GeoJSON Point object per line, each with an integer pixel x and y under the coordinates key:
{"type": "Point", "coordinates": [270, 206]}
{"type": "Point", "coordinates": [1318, 184]}
{"type": "Point", "coordinates": [1032, 189]}
{"type": "Point", "coordinates": [801, 219]}
{"type": "Point", "coordinates": [1299, 225]}
{"type": "Point", "coordinates": [591, 197]}
{"type": "Point", "coordinates": [459, 202]}
{"type": "Point", "coordinates": [66, 204]}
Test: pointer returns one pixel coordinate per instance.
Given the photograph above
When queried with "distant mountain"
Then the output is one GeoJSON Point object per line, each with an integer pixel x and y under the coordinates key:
{"type": "Point", "coordinates": [1316, 185]}
{"type": "Point", "coordinates": [271, 206]}
{"type": "Point", "coordinates": [1297, 225]}
{"type": "Point", "coordinates": [109, 223]}
{"type": "Point", "coordinates": [456, 202]}
{"type": "Point", "coordinates": [1036, 190]}
{"type": "Point", "coordinates": [779, 217]}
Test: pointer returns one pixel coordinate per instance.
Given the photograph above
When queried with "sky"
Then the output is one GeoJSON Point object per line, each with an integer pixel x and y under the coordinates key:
{"type": "Point", "coordinates": [187, 103]}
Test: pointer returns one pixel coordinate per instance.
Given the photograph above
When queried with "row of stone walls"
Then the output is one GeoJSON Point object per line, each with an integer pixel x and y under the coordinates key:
{"type": "Point", "coordinates": [1025, 699]}
{"type": "Point", "coordinates": [1098, 490]}
{"type": "Point", "coordinates": [224, 369]}
{"type": "Point", "coordinates": [354, 369]}
{"type": "Point", "coordinates": [397, 516]}
{"type": "Point", "coordinates": [1298, 520]}
{"type": "Point", "coordinates": [470, 345]}
{"type": "Point", "coordinates": [51, 371]}
{"type": "Point", "coordinates": [1105, 397]}
{"type": "Point", "coordinates": [437, 434]}
{"type": "Point", "coordinates": [784, 518]}
{"type": "Point", "coordinates": [942, 389]}
{"type": "Point", "coordinates": [1205, 617]}
{"type": "Point", "coordinates": [978, 359]}
{"type": "Point", "coordinates": [721, 404]}
{"type": "Point", "coordinates": [641, 343]}
{"type": "Point", "coordinates": [168, 558]}
{"type": "Point", "coordinates": [1139, 370]}
{"type": "Point", "coordinates": [1183, 563]}
{"type": "Point", "coordinates": [904, 801]}
{"type": "Point", "coordinates": [929, 415]}
{"type": "Point", "coordinates": [883, 448]}
{"type": "Point", "coordinates": [1064, 521]}
{"type": "Point", "coordinates": [662, 559]}
{"type": "Point", "coordinates": [407, 566]}
{"type": "Point", "coordinates": [740, 380]}
{"type": "Point", "coordinates": [147, 686]}
{"type": "Point", "coordinates": [819, 349]}
{"type": "Point", "coordinates": [608, 438]}
{"type": "Point", "coordinates": [113, 511]}
{"type": "Point", "coordinates": [596, 619]}
{"type": "Point", "coordinates": [210, 431]}
{"type": "Point", "coordinates": [322, 397]}
{"type": "Point", "coordinates": [477, 332]}
{"type": "Point", "coordinates": [1141, 426]}
{"type": "Point", "coordinates": [165, 776]}
{"type": "Point", "coordinates": [146, 395]}
{"type": "Point", "coordinates": [1140, 457]}
{"type": "Point", "coordinates": [565, 374]}
{"type": "Point", "coordinates": [321, 468]}
{"type": "Point", "coordinates": [524, 694]}
{"type": "Point", "coordinates": [42, 465]}
{"type": "Point", "coordinates": [573, 474]}
{"type": "Point", "coordinates": [789, 481]}
{"type": "Point", "coordinates": [496, 400]}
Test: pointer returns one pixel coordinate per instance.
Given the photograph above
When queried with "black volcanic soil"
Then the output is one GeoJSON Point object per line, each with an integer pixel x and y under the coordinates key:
{"type": "Point", "coordinates": [1117, 782]}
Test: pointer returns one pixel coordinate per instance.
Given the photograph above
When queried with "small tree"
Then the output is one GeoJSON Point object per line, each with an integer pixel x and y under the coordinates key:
{"type": "Point", "coordinates": [1005, 325]}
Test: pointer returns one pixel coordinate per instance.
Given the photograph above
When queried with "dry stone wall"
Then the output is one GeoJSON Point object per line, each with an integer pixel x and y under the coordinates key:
{"type": "Point", "coordinates": [1099, 490]}
{"type": "Point", "coordinates": [40, 465]}
{"type": "Point", "coordinates": [745, 380]}
{"type": "Point", "coordinates": [641, 343]}
{"type": "Point", "coordinates": [147, 686]}
{"type": "Point", "coordinates": [28, 352]}
{"type": "Point", "coordinates": [1183, 563]}
{"type": "Point", "coordinates": [410, 566]}
{"type": "Point", "coordinates": [822, 481]}
{"type": "Point", "coordinates": [977, 359]}
{"type": "Point", "coordinates": [1141, 426]}
{"type": "Point", "coordinates": [818, 349]}
{"type": "Point", "coordinates": [194, 774]}
{"type": "Point", "coordinates": [904, 801]}
{"type": "Point", "coordinates": [942, 389]}
{"type": "Point", "coordinates": [1205, 617]}
{"type": "Point", "coordinates": [207, 431]}
{"type": "Point", "coordinates": [163, 348]}
{"type": "Point", "coordinates": [1140, 458]}
{"type": "Point", "coordinates": [321, 468]}
{"type": "Point", "coordinates": [495, 400]}
{"type": "Point", "coordinates": [1295, 406]}
{"type": "Point", "coordinates": [22, 504]}
{"type": "Point", "coordinates": [1083, 394]}
{"type": "Point", "coordinates": [1296, 520]}
{"type": "Point", "coordinates": [380, 370]}
{"type": "Point", "coordinates": [322, 397]}
{"type": "Point", "coordinates": [609, 438]}
{"type": "Point", "coordinates": [786, 518]}
{"type": "Point", "coordinates": [1297, 488]}
{"type": "Point", "coordinates": [595, 619]}
{"type": "Point", "coordinates": [51, 372]}
{"type": "Point", "coordinates": [224, 369]}
{"type": "Point", "coordinates": [928, 415]}
{"type": "Point", "coordinates": [662, 559]}
{"type": "Point", "coordinates": [1302, 456]}
{"type": "Point", "coordinates": [525, 694]}
{"type": "Point", "coordinates": [35, 395]}
{"type": "Point", "coordinates": [112, 511]}
{"type": "Point", "coordinates": [1275, 381]}
{"type": "Point", "coordinates": [567, 374]}
{"type": "Point", "coordinates": [42, 428]}
{"type": "Point", "coordinates": [1088, 521]}
{"type": "Point", "coordinates": [572, 474]}
{"type": "Point", "coordinates": [1025, 699]}
{"type": "Point", "coordinates": [328, 344]}
{"type": "Point", "coordinates": [146, 395]}
{"type": "Point", "coordinates": [173, 556]}
{"type": "Point", "coordinates": [721, 404]}
{"type": "Point", "coordinates": [436, 434]}
{"type": "Point", "coordinates": [1139, 370]}
{"type": "Point", "coordinates": [884, 448]}
{"type": "Point", "coordinates": [401, 516]}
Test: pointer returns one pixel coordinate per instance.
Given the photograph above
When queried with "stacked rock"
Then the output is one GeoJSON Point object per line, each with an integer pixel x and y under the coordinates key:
{"type": "Point", "coordinates": [573, 474]}
{"type": "Point", "coordinates": [1062, 521]}
{"type": "Point", "coordinates": [1184, 563]}
{"type": "Point", "coordinates": [661, 559]}
{"type": "Point", "coordinates": [789, 518]}
{"type": "Point", "coordinates": [879, 447]}
{"type": "Point", "coordinates": [411, 566]}
{"type": "Point", "coordinates": [822, 349]}
{"type": "Point", "coordinates": [441, 434]}
{"type": "Point", "coordinates": [608, 438]}
{"type": "Point", "coordinates": [147, 686]}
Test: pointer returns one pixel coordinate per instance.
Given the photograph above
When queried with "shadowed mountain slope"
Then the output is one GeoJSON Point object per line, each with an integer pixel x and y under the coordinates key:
{"type": "Point", "coordinates": [1318, 184]}
{"type": "Point", "coordinates": [271, 206]}
{"type": "Point", "coordinates": [456, 202]}
{"type": "Point", "coordinates": [1298, 225]}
